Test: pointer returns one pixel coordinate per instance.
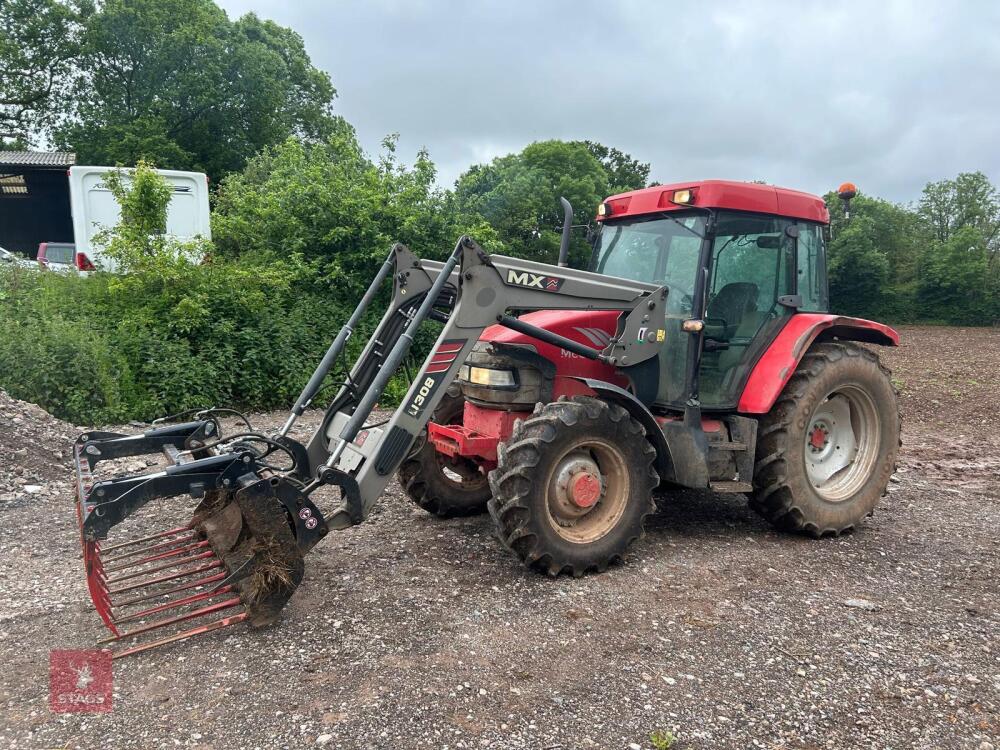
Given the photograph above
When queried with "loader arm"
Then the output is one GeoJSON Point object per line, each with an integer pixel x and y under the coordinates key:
{"type": "Point", "coordinates": [345, 451]}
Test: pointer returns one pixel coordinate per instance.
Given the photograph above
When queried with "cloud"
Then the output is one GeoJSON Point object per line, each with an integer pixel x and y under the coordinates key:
{"type": "Point", "coordinates": [889, 95]}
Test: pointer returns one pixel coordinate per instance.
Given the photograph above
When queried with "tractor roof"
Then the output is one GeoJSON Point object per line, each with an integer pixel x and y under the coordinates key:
{"type": "Point", "coordinates": [737, 196]}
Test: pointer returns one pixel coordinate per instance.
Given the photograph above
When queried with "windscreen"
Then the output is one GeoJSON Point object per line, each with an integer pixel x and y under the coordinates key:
{"type": "Point", "coordinates": [662, 249]}
{"type": "Point", "coordinates": [658, 249]}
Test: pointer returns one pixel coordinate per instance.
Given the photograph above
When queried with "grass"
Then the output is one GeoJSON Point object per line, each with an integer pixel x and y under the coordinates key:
{"type": "Point", "coordinates": [662, 740]}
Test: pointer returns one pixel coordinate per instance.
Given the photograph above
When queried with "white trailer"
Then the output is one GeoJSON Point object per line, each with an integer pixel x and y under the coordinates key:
{"type": "Point", "coordinates": [94, 208]}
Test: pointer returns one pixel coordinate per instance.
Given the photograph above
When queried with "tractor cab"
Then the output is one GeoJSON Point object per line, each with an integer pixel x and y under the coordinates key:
{"type": "Point", "coordinates": [738, 259]}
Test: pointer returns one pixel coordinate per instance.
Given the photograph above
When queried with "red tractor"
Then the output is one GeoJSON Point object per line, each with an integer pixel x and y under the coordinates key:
{"type": "Point", "coordinates": [697, 350]}
{"type": "Point", "coordinates": [757, 389]}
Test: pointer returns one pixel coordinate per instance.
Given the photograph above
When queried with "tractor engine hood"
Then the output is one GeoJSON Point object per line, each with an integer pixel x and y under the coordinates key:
{"type": "Point", "coordinates": [593, 328]}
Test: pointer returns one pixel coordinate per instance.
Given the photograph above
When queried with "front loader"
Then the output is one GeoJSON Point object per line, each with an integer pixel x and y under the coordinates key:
{"type": "Point", "coordinates": [697, 351]}
{"type": "Point", "coordinates": [241, 555]}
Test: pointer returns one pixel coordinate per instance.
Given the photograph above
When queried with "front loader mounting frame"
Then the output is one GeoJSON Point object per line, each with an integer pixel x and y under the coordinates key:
{"type": "Point", "coordinates": [255, 521]}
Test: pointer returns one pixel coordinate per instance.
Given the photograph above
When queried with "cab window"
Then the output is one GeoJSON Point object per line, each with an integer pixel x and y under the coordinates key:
{"type": "Point", "coordinates": [658, 249]}
{"type": "Point", "coordinates": [812, 285]}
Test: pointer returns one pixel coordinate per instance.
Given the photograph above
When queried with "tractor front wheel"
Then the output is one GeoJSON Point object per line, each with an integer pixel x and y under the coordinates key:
{"type": "Point", "coordinates": [827, 448]}
{"type": "Point", "coordinates": [573, 486]}
{"type": "Point", "coordinates": [447, 487]}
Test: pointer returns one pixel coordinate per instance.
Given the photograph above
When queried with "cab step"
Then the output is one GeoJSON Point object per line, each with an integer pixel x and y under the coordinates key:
{"type": "Point", "coordinates": [731, 486]}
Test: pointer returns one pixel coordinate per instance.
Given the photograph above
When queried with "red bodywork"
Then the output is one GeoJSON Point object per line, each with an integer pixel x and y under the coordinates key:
{"type": "Point", "coordinates": [737, 196]}
{"type": "Point", "coordinates": [776, 366]}
{"type": "Point", "coordinates": [593, 328]}
{"type": "Point", "coordinates": [483, 428]}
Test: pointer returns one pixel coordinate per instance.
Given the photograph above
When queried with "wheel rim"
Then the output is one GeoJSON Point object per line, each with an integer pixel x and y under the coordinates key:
{"type": "Point", "coordinates": [462, 473]}
{"type": "Point", "coordinates": [587, 491]}
{"type": "Point", "coordinates": [841, 443]}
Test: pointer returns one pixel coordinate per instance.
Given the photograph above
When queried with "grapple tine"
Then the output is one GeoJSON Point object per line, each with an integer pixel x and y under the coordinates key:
{"type": "Point", "coordinates": [227, 604]}
{"type": "Point", "coordinates": [174, 590]}
{"type": "Point", "coordinates": [225, 621]}
{"type": "Point", "coordinates": [96, 584]}
{"type": "Point", "coordinates": [161, 546]}
{"type": "Point", "coordinates": [168, 577]}
{"type": "Point", "coordinates": [160, 556]}
{"type": "Point", "coordinates": [149, 538]}
{"type": "Point", "coordinates": [183, 601]}
{"type": "Point", "coordinates": [165, 566]}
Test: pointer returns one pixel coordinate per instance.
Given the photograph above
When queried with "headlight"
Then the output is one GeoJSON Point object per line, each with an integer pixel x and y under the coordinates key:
{"type": "Point", "coordinates": [488, 376]}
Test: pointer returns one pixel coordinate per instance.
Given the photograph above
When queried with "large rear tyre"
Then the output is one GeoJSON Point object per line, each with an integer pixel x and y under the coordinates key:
{"type": "Point", "coordinates": [573, 486]}
{"type": "Point", "coordinates": [827, 448]}
{"type": "Point", "coordinates": [447, 487]}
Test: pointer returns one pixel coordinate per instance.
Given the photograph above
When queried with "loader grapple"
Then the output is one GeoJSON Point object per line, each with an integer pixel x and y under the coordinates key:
{"type": "Point", "coordinates": [240, 555]}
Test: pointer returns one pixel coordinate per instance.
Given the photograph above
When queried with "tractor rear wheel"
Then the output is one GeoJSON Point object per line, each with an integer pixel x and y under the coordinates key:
{"type": "Point", "coordinates": [573, 486]}
{"type": "Point", "coordinates": [827, 448]}
{"type": "Point", "coordinates": [447, 487]}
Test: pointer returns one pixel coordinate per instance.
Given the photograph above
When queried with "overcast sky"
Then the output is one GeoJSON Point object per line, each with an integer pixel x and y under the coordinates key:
{"type": "Point", "coordinates": [802, 94]}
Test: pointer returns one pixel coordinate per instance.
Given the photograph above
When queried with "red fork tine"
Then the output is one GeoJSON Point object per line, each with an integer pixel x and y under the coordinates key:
{"type": "Point", "coordinates": [165, 566]}
{"type": "Point", "coordinates": [169, 532]}
{"type": "Point", "coordinates": [227, 604]}
{"type": "Point", "coordinates": [231, 620]}
{"type": "Point", "coordinates": [170, 544]}
{"type": "Point", "coordinates": [183, 601]}
{"type": "Point", "coordinates": [168, 577]}
{"type": "Point", "coordinates": [174, 590]}
{"type": "Point", "coordinates": [96, 584]}
{"type": "Point", "coordinates": [159, 556]}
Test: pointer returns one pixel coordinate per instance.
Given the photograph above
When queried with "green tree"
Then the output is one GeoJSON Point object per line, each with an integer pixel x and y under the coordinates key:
{"type": "Point", "coordinates": [970, 200]}
{"type": "Point", "coordinates": [519, 196]}
{"type": "Point", "coordinates": [39, 42]}
{"type": "Point", "coordinates": [624, 172]}
{"type": "Point", "coordinates": [177, 82]}
{"type": "Point", "coordinates": [858, 269]}
{"type": "Point", "coordinates": [955, 283]}
{"type": "Point", "coordinates": [900, 237]}
{"type": "Point", "coordinates": [334, 206]}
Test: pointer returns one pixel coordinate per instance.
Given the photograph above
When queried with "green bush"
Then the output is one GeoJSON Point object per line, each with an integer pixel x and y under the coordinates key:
{"type": "Point", "coordinates": [111, 348]}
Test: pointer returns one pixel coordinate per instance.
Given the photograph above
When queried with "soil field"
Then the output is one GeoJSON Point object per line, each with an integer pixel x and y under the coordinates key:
{"type": "Point", "coordinates": [411, 632]}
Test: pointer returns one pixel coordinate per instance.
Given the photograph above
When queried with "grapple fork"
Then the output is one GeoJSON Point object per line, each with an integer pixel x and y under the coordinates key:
{"type": "Point", "coordinates": [239, 549]}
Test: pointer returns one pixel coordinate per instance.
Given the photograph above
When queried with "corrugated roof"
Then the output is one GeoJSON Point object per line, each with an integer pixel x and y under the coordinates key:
{"type": "Point", "coordinates": [54, 159]}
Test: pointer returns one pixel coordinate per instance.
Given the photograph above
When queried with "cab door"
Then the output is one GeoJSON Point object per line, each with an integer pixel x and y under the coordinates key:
{"type": "Point", "coordinates": [752, 275]}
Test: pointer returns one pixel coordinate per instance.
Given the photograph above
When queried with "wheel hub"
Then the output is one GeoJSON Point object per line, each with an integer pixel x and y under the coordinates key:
{"type": "Point", "coordinates": [832, 441]}
{"type": "Point", "coordinates": [819, 437]}
{"type": "Point", "coordinates": [584, 489]}
{"type": "Point", "coordinates": [578, 487]}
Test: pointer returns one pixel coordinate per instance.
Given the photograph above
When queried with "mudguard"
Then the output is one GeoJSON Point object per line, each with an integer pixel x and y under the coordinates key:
{"type": "Point", "coordinates": [774, 369]}
{"type": "Point", "coordinates": [638, 410]}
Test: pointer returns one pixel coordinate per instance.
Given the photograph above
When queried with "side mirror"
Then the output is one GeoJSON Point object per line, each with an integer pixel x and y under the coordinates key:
{"type": "Point", "coordinates": [567, 228]}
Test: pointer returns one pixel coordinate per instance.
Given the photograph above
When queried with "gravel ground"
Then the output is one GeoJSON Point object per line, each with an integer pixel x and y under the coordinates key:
{"type": "Point", "coordinates": [414, 632]}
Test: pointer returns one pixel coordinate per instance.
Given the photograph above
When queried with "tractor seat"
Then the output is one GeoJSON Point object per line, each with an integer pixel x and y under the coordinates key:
{"type": "Point", "coordinates": [728, 308]}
